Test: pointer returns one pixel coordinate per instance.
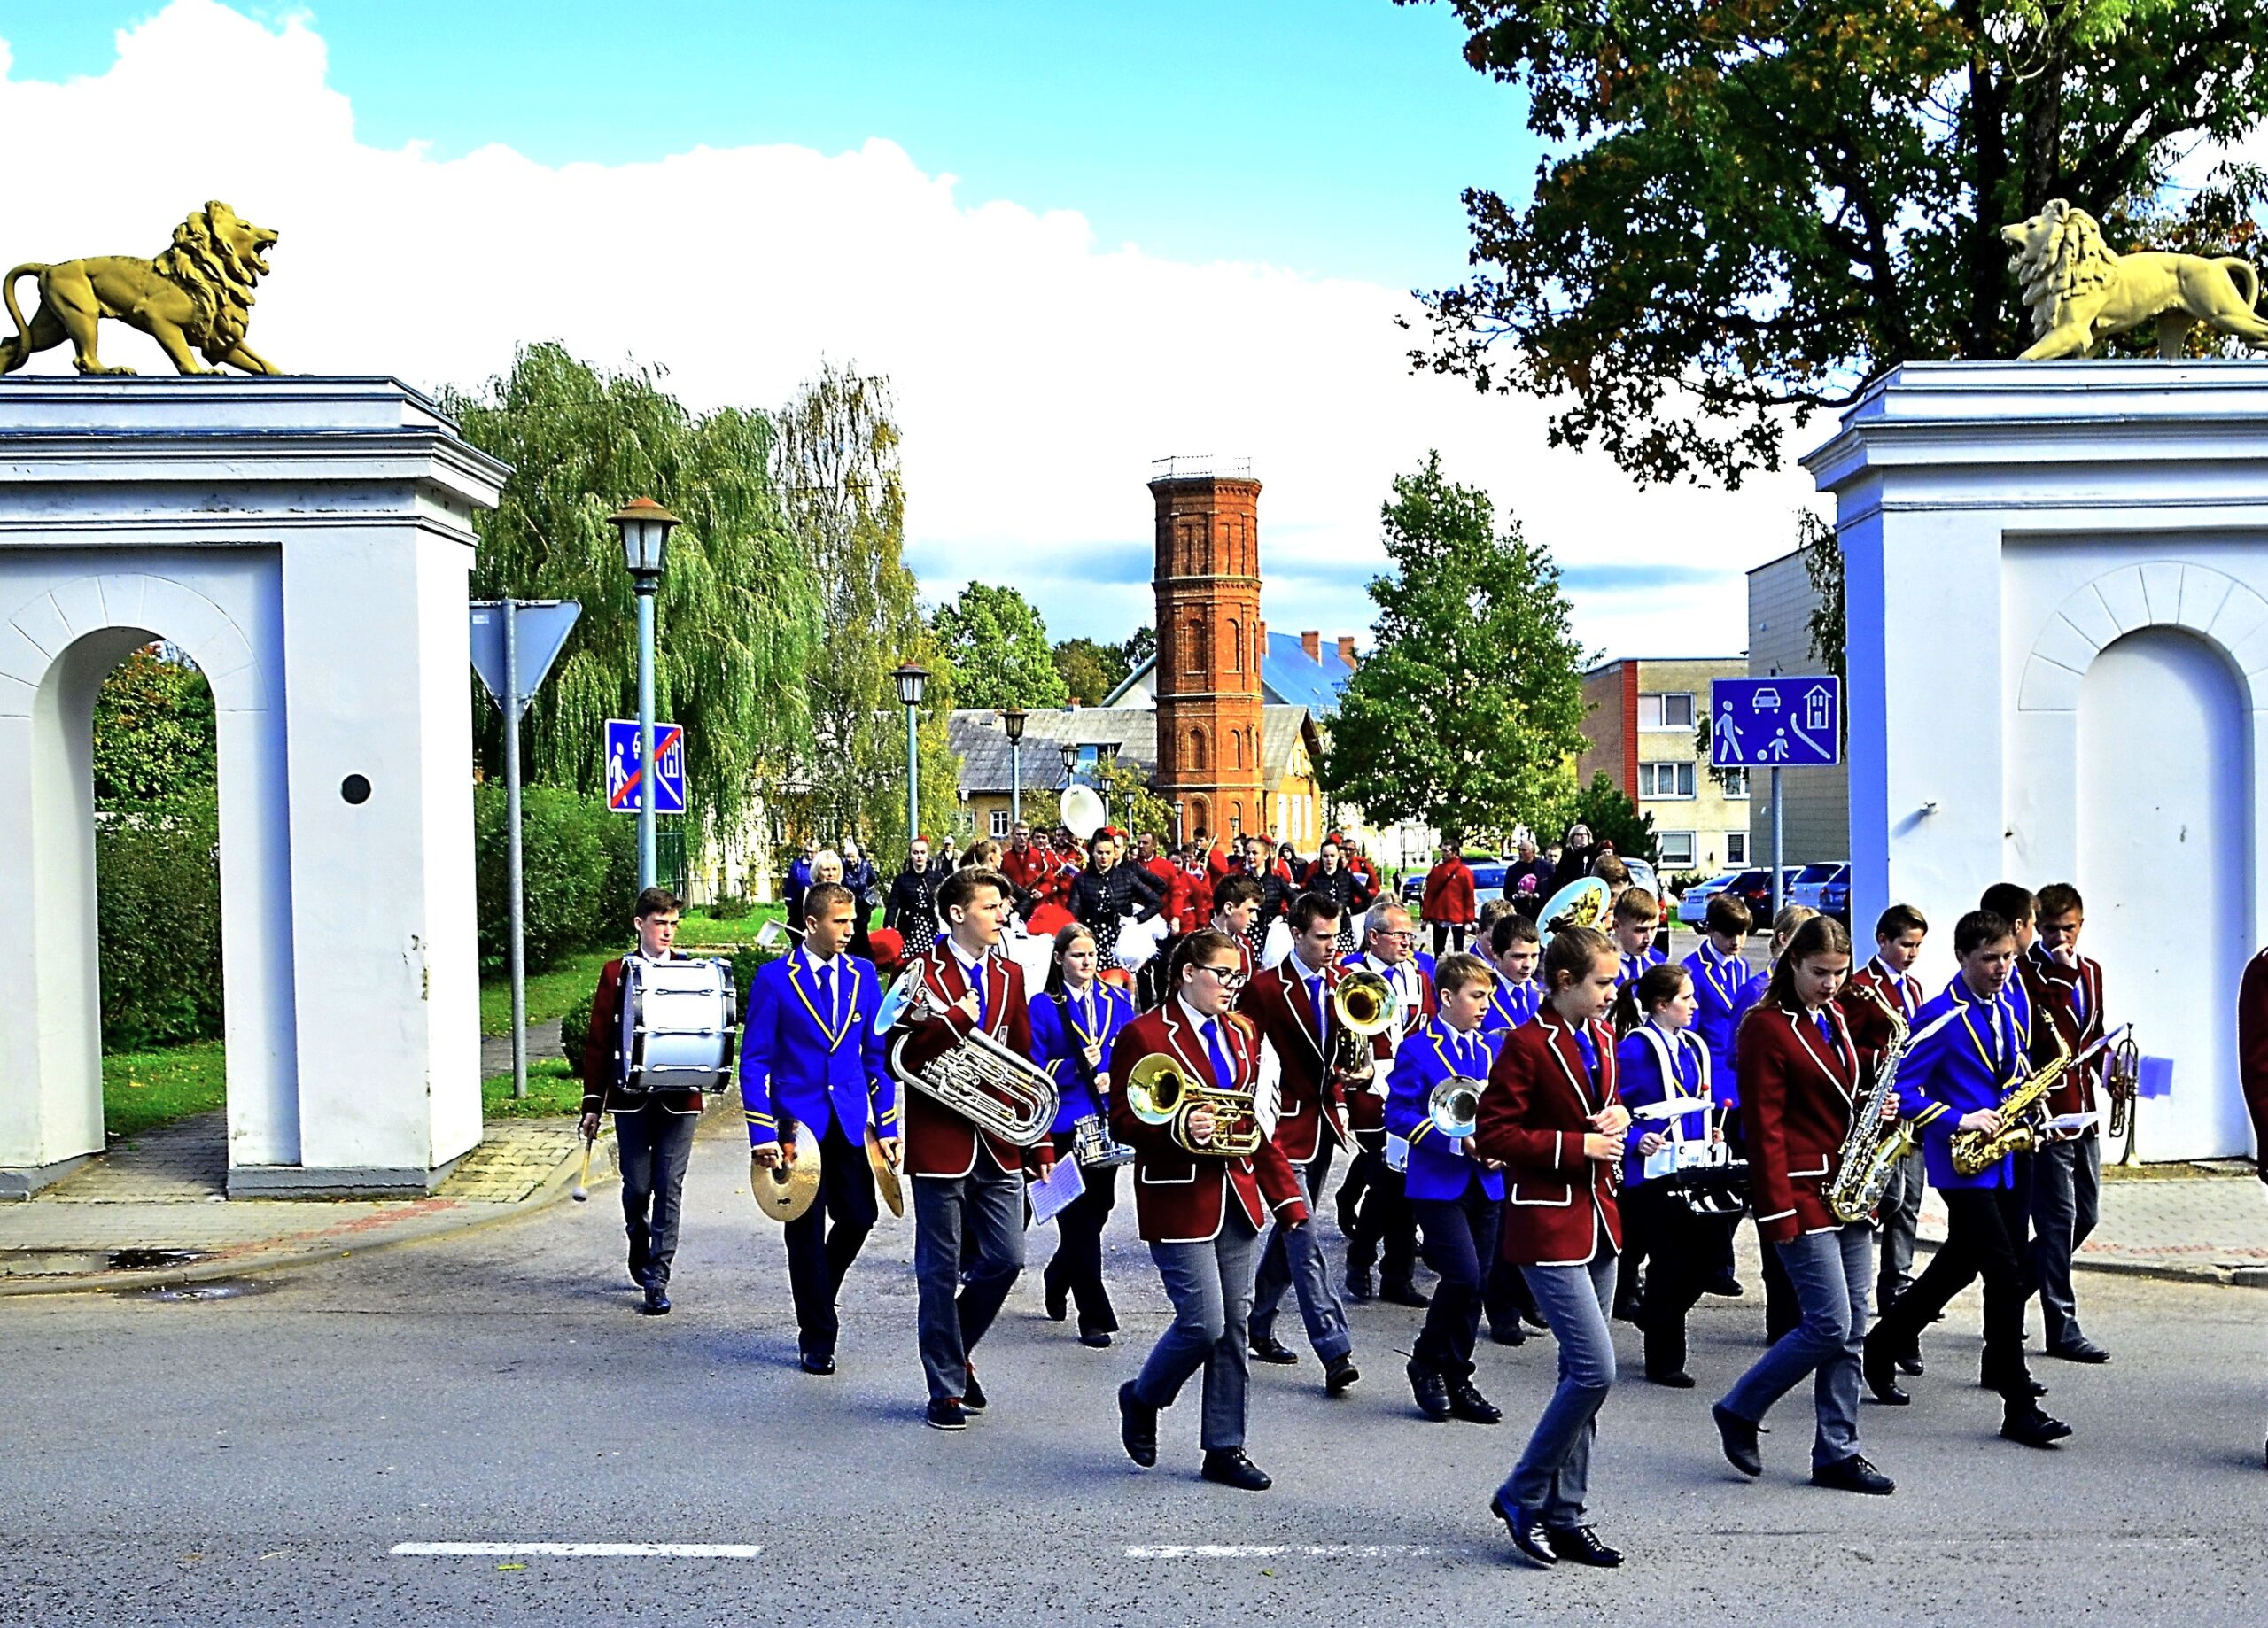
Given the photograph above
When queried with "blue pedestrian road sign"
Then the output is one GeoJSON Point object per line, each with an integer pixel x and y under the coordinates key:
{"type": "Point", "coordinates": [623, 775]}
{"type": "Point", "coordinates": [1789, 721]}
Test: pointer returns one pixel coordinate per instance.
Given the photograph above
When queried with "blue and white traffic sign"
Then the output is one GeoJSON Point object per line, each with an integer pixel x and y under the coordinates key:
{"type": "Point", "coordinates": [623, 776]}
{"type": "Point", "coordinates": [1789, 721]}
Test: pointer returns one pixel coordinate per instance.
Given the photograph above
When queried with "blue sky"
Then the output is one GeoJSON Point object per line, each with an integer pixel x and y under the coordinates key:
{"type": "Point", "coordinates": [1329, 136]}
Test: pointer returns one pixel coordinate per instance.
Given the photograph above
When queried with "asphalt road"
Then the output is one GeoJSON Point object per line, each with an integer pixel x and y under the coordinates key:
{"type": "Point", "coordinates": [261, 1458]}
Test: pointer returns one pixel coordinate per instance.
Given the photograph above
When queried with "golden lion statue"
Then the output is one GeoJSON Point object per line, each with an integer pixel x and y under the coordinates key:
{"type": "Point", "coordinates": [196, 296]}
{"type": "Point", "coordinates": [2080, 292]}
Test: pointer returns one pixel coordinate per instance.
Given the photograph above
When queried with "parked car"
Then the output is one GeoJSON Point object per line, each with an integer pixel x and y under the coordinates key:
{"type": "Point", "coordinates": [1754, 889]}
{"type": "Point", "coordinates": [1693, 904]}
{"type": "Point", "coordinates": [1834, 898]}
{"type": "Point", "coordinates": [1805, 888]}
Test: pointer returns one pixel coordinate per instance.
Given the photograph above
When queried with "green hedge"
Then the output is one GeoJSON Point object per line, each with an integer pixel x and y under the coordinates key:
{"type": "Point", "coordinates": [579, 874]}
{"type": "Point", "coordinates": [157, 873]}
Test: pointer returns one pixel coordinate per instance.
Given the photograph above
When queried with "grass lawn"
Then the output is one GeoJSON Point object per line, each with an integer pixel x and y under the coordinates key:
{"type": "Point", "coordinates": [145, 1089]}
{"type": "Point", "coordinates": [551, 1090]}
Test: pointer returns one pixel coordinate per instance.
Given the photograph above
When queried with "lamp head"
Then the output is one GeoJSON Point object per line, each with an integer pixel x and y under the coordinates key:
{"type": "Point", "coordinates": [912, 678]}
{"type": "Point", "coordinates": [645, 527]}
{"type": "Point", "coordinates": [1012, 719]}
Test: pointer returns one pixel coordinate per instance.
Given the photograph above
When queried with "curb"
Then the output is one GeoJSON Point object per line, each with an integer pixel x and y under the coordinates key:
{"type": "Point", "coordinates": [2205, 1276]}
{"type": "Point", "coordinates": [554, 1187]}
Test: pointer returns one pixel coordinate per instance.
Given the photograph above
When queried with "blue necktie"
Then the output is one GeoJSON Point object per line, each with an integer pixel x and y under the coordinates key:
{"type": "Point", "coordinates": [1583, 1043]}
{"type": "Point", "coordinates": [1316, 1004]}
{"type": "Point", "coordinates": [1222, 1070]}
{"type": "Point", "coordinates": [833, 1007]}
{"type": "Point", "coordinates": [1826, 1030]}
{"type": "Point", "coordinates": [975, 976]}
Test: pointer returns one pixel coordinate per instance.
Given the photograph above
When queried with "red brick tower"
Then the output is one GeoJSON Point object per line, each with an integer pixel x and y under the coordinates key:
{"type": "Point", "coordinates": [1209, 643]}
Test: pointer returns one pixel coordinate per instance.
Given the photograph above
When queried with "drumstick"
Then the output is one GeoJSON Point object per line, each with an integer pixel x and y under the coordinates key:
{"type": "Point", "coordinates": [581, 1191]}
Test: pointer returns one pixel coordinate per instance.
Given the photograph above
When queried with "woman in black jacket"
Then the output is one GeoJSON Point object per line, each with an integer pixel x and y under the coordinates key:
{"type": "Point", "coordinates": [1107, 892]}
{"type": "Point", "coordinates": [913, 908]}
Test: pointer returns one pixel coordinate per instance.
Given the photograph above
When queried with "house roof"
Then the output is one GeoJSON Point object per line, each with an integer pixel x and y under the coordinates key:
{"type": "Point", "coordinates": [1288, 676]}
{"type": "Point", "coordinates": [985, 765]}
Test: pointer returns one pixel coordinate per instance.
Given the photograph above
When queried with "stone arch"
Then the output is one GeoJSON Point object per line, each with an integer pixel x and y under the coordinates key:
{"type": "Point", "coordinates": [2210, 604]}
{"type": "Point", "coordinates": [1196, 750]}
{"type": "Point", "coordinates": [1236, 645]}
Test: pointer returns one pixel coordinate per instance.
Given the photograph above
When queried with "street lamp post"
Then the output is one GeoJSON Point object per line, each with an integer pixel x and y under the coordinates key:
{"type": "Point", "coordinates": [645, 527]}
{"type": "Point", "coordinates": [1012, 719]}
{"type": "Point", "coordinates": [912, 678]}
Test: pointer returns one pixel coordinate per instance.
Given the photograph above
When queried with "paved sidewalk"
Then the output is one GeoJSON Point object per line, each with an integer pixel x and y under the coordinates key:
{"type": "Point", "coordinates": [155, 1211]}
{"type": "Point", "coordinates": [2209, 1222]}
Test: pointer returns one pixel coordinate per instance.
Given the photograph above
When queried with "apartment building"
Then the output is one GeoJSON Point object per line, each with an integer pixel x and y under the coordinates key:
{"type": "Point", "coordinates": [1642, 724]}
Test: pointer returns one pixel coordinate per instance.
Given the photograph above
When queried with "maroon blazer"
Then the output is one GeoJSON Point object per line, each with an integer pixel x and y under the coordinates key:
{"type": "Point", "coordinates": [1276, 1000]}
{"type": "Point", "coordinates": [1533, 1117]}
{"type": "Point", "coordinates": [2252, 1045]}
{"type": "Point", "coordinates": [2075, 1006]}
{"type": "Point", "coordinates": [1797, 1094]}
{"type": "Point", "coordinates": [1180, 1197]}
{"type": "Point", "coordinates": [1869, 1024]}
{"type": "Point", "coordinates": [939, 1142]}
{"type": "Point", "coordinates": [603, 1064]}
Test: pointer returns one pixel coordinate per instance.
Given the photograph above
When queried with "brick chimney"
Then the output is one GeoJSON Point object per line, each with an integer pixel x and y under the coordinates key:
{"type": "Point", "coordinates": [1347, 649]}
{"type": "Point", "coordinates": [1260, 637]}
{"type": "Point", "coordinates": [1312, 643]}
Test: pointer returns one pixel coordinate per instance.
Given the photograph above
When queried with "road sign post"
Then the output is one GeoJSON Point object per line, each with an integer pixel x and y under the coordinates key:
{"type": "Point", "coordinates": [513, 643]}
{"type": "Point", "coordinates": [1785, 721]}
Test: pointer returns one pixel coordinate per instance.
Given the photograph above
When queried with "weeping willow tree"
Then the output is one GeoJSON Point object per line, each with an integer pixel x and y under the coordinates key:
{"type": "Point", "coordinates": [739, 609]}
{"type": "Point", "coordinates": [835, 463]}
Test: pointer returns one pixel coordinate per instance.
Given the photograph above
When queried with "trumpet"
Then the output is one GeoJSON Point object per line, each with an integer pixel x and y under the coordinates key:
{"type": "Point", "coordinates": [986, 1083]}
{"type": "Point", "coordinates": [1455, 1108]}
{"type": "Point", "coordinates": [1159, 1091]}
{"type": "Point", "coordinates": [2123, 1080]}
{"type": "Point", "coordinates": [1362, 1006]}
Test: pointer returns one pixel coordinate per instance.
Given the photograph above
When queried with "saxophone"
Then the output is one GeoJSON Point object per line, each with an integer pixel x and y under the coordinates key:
{"type": "Point", "coordinates": [1872, 1148]}
{"type": "Point", "coordinates": [2022, 1110]}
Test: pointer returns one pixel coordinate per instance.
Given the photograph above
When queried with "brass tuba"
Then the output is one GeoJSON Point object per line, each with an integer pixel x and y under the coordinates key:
{"type": "Point", "coordinates": [983, 1080]}
{"type": "Point", "coordinates": [1159, 1091]}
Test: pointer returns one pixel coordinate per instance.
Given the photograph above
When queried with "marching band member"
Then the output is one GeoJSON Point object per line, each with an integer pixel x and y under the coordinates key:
{"type": "Point", "coordinates": [1800, 1085]}
{"type": "Point", "coordinates": [1383, 1230]}
{"type": "Point", "coordinates": [1330, 877]}
{"type": "Point", "coordinates": [1456, 1194]}
{"type": "Point", "coordinates": [1636, 914]}
{"type": "Point", "coordinates": [653, 1133]}
{"type": "Point", "coordinates": [965, 1179]}
{"type": "Point", "coordinates": [1631, 926]}
{"type": "Point", "coordinates": [1290, 1005]}
{"type": "Point", "coordinates": [1660, 1057]}
{"type": "Point", "coordinates": [1107, 892]}
{"type": "Point", "coordinates": [809, 1056]}
{"type": "Point", "coordinates": [912, 907]}
{"type": "Point", "coordinates": [1199, 1212]}
{"type": "Point", "coordinates": [1024, 864]}
{"type": "Point", "coordinates": [2252, 1056]}
{"type": "Point", "coordinates": [1781, 1312]}
{"type": "Point", "coordinates": [1720, 975]}
{"type": "Point", "coordinates": [2028, 994]}
{"type": "Point", "coordinates": [1074, 1024]}
{"type": "Point", "coordinates": [1551, 1116]}
{"type": "Point", "coordinates": [2066, 1175]}
{"type": "Point", "coordinates": [1955, 1080]}
{"type": "Point", "coordinates": [1888, 981]}
{"type": "Point", "coordinates": [1515, 946]}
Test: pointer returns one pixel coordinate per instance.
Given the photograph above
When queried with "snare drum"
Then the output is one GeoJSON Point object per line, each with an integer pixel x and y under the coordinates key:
{"type": "Point", "coordinates": [1094, 1147]}
{"type": "Point", "coordinates": [679, 1020]}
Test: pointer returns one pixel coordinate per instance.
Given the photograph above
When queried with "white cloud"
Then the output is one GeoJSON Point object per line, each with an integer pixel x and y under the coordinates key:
{"type": "Point", "coordinates": [1038, 372]}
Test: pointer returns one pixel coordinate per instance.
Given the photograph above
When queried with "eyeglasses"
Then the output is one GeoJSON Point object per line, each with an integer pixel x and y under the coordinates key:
{"type": "Point", "coordinates": [1231, 979]}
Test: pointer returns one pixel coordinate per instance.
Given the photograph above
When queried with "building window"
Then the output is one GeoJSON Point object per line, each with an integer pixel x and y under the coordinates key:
{"type": "Point", "coordinates": [1735, 781]}
{"type": "Point", "coordinates": [1736, 847]}
{"type": "Point", "coordinates": [1665, 779]}
{"type": "Point", "coordinates": [1676, 848]}
{"type": "Point", "coordinates": [1236, 645]}
{"type": "Point", "coordinates": [1197, 748]}
{"type": "Point", "coordinates": [1673, 710]}
{"type": "Point", "coordinates": [1000, 825]}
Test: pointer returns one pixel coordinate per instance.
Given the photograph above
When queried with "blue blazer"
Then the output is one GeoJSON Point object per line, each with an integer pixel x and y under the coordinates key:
{"type": "Point", "coordinates": [1439, 1168]}
{"type": "Point", "coordinates": [1642, 1083]}
{"type": "Point", "coordinates": [1717, 985]}
{"type": "Point", "coordinates": [818, 1067]}
{"type": "Point", "coordinates": [1056, 1046]}
{"type": "Point", "coordinates": [1631, 968]}
{"type": "Point", "coordinates": [1968, 1065]}
{"type": "Point", "coordinates": [1751, 994]}
{"type": "Point", "coordinates": [1510, 1007]}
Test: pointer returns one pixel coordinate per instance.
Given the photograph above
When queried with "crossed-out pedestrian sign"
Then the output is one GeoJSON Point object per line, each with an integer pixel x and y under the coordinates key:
{"type": "Point", "coordinates": [624, 775]}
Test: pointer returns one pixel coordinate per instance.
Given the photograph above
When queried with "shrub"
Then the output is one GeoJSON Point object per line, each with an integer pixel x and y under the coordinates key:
{"type": "Point", "coordinates": [579, 874]}
{"type": "Point", "coordinates": [159, 914]}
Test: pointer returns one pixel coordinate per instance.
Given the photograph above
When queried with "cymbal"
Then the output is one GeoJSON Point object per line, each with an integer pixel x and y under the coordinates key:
{"type": "Point", "coordinates": [885, 1180]}
{"type": "Point", "coordinates": [784, 1194]}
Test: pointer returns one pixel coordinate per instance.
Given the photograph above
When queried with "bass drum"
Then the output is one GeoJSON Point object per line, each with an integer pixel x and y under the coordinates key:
{"type": "Point", "coordinates": [678, 1021]}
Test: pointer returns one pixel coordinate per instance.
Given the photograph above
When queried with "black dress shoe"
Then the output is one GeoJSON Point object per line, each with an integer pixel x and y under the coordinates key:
{"type": "Point", "coordinates": [2034, 1428]}
{"type": "Point", "coordinates": [1097, 1339]}
{"type": "Point", "coordinates": [1339, 1373]}
{"type": "Point", "coordinates": [2025, 1384]}
{"type": "Point", "coordinates": [1879, 1370]}
{"type": "Point", "coordinates": [1467, 1403]}
{"type": "Point", "coordinates": [1678, 1381]}
{"type": "Point", "coordinates": [1526, 1527]}
{"type": "Point", "coordinates": [1629, 1311]}
{"type": "Point", "coordinates": [2079, 1348]}
{"type": "Point", "coordinates": [1739, 1439]}
{"type": "Point", "coordinates": [1511, 1333]}
{"type": "Point", "coordinates": [1267, 1348]}
{"type": "Point", "coordinates": [1229, 1467]}
{"type": "Point", "coordinates": [1853, 1475]}
{"type": "Point", "coordinates": [973, 1398]}
{"type": "Point", "coordinates": [1059, 1304]}
{"type": "Point", "coordinates": [1138, 1427]}
{"type": "Point", "coordinates": [1728, 1286]}
{"type": "Point", "coordinates": [944, 1414]}
{"type": "Point", "coordinates": [1404, 1294]}
{"type": "Point", "coordinates": [657, 1301]}
{"type": "Point", "coordinates": [818, 1362]}
{"type": "Point", "coordinates": [1358, 1286]}
{"type": "Point", "coordinates": [1431, 1391]}
{"type": "Point", "coordinates": [1580, 1545]}
{"type": "Point", "coordinates": [1910, 1362]}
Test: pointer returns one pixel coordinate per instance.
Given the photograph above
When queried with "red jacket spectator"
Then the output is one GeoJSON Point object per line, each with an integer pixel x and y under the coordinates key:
{"type": "Point", "coordinates": [1448, 893]}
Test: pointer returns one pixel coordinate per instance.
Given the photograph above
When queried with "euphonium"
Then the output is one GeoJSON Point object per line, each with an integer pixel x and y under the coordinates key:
{"type": "Point", "coordinates": [1455, 1108]}
{"type": "Point", "coordinates": [1363, 1005]}
{"type": "Point", "coordinates": [2022, 1110]}
{"type": "Point", "coordinates": [986, 1083]}
{"type": "Point", "coordinates": [1872, 1148]}
{"type": "Point", "coordinates": [1159, 1091]}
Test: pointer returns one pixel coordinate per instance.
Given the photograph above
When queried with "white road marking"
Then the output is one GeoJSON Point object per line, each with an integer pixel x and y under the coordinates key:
{"type": "Point", "coordinates": [1272, 1551]}
{"type": "Point", "coordinates": [601, 1550]}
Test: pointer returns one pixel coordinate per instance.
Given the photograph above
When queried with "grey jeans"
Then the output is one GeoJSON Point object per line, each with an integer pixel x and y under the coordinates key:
{"type": "Point", "coordinates": [1210, 1285]}
{"type": "Point", "coordinates": [1900, 1213]}
{"type": "Point", "coordinates": [2066, 1195]}
{"type": "Point", "coordinates": [653, 1146]}
{"type": "Point", "coordinates": [1294, 1261]}
{"type": "Point", "coordinates": [1553, 1475]}
{"type": "Point", "coordinates": [1829, 1272]}
{"type": "Point", "coordinates": [952, 1316]}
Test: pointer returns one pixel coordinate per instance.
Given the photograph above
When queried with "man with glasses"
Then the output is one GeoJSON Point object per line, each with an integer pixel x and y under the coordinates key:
{"type": "Point", "coordinates": [1381, 1222]}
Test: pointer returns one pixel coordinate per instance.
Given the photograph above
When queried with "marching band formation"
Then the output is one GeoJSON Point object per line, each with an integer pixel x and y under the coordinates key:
{"type": "Point", "coordinates": [1536, 1117]}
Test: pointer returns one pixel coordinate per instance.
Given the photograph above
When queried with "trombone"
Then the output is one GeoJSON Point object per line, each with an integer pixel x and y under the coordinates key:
{"type": "Point", "coordinates": [1159, 1091]}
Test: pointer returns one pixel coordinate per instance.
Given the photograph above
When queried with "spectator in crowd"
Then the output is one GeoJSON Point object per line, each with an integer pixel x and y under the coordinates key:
{"type": "Point", "coordinates": [911, 911]}
{"type": "Point", "coordinates": [1449, 906]}
{"type": "Point", "coordinates": [866, 895]}
{"type": "Point", "coordinates": [1576, 855]}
